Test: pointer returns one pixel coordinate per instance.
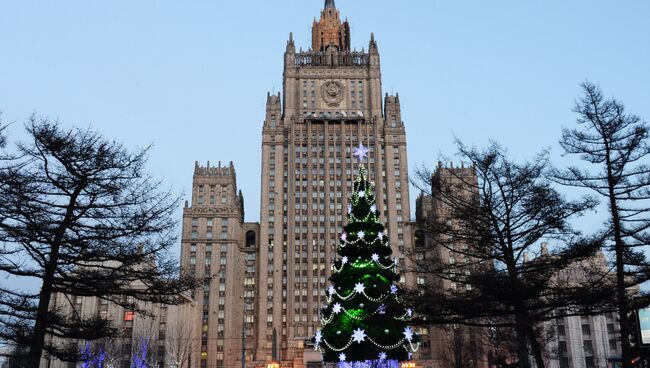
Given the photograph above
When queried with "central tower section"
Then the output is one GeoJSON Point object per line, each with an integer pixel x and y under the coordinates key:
{"type": "Point", "coordinates": [331, 101]}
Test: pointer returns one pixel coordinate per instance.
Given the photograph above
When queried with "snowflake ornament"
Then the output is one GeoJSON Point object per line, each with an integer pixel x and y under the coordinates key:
{"type": "Point", "coordinates": [336, 309]}
{"type": "Point", "coordinates": [344, 236]}
{"type": "Point", "coordinates": [382, 309]}
{"type": "Point", "coordinates": [342, 357]}
{"type": "Point", "coordinates": [382, 356]}
{"type": "Point", "coordinates": [409, 312]}
{"type": "Point", "coordinates": [359, 336]}
{"type": "Point", "coordinates": [362, 194]}
{"type": "Point", "coordinates": [373, 208]}
{"type": "Point", "coordinates": [344, 260]}
{"type": "Point", "coordinates": [375, 257]}
{"type": "Point", "coordinates": [330, 290]}
{"type": "Point", "coordinates": [361, 234]}
{"type": "Point", "coordinates": [318, 338]}
{"type": "Point", "coordinates": [359, 288]}
{"type": "Point", "coordinates": [408, 334]}
{"type": "Point", "coordinates": [380, 235]}
{"type": "Point", "coordinates": [393, 289]}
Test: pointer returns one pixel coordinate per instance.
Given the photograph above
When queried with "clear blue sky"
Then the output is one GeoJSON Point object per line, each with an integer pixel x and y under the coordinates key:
{"type": "Point", "coordinates": [192, 76]}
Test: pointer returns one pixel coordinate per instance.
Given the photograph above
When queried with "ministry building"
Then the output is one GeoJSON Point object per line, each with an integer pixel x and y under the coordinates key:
{"type": "Point", "coordinates": [266, 282]}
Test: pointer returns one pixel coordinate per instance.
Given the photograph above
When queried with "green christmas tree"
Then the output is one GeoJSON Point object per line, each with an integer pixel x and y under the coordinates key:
{"type": "Point", "coordinates": [364, 322]}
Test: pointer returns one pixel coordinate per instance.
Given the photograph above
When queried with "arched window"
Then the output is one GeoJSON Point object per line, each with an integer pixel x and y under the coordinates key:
{"type": "Point", "coordinates": [251, 240]}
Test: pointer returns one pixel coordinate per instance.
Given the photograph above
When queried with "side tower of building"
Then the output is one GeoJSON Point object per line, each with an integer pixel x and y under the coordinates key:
{"type": "Point", "coordinates": [331, 102]}
{"type": "Point", "coordinates": [216, 247]}
{"type": "Point", "coordinates": [446, 345]}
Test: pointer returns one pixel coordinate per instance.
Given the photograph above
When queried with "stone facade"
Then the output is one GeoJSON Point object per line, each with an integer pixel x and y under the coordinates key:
{"type": "Point", "coordinates": [220, 248]}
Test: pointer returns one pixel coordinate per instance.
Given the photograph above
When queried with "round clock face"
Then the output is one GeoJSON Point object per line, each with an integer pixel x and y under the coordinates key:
{"type": "Point", "coordinates": [333, 92]}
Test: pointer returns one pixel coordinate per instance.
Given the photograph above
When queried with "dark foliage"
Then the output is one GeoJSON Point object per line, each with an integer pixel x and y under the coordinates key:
{"type": "Point", "coordinates": [614, 146]}
{"type": "Point", "coordinates": [80, 216]}
{"type": "Point", "coordinates": [491, 218]}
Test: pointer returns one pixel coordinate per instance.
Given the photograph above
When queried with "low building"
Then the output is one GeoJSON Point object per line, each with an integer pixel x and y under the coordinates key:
{"type": "Point", "coordinates": [583, 341]}
{"type": "Point", "coordinates": [163, 329]}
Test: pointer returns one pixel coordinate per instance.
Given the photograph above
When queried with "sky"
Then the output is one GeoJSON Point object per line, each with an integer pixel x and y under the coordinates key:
{"type": "Point", "coordinates": [191, 77]}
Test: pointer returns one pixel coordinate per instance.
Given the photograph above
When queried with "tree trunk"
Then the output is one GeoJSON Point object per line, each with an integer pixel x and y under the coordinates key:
{"type": "Point", "coordinates": [522, 343]}
{"type": "Point", "coordinates": [37, 340]}
{"type": "Point", "coordinates": [536, 348]}
{"type": "Point", "coordinates": [621, 297]}
{"type": "Point", "coordinates": [619, 248]}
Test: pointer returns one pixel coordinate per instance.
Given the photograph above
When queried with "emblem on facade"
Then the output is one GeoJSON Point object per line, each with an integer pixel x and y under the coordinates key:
{"type": "Point", "coordinates": [333, 92]}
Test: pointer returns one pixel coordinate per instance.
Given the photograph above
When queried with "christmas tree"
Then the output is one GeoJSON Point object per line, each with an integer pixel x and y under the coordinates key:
{"type": "Point", "coordinates": [364, 322]}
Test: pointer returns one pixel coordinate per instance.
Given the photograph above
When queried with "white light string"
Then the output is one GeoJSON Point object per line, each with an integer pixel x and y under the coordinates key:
{"type": "Point", "coordinates": [392, 265]}
{"type": "Point", "coordinates": [326, 321]}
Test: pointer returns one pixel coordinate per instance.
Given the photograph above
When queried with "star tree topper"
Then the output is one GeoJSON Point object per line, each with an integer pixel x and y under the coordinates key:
{"type": "Point", "coordinates": [361, 152]}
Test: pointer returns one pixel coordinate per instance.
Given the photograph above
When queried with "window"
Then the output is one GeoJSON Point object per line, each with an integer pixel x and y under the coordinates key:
{"type": "Point", "coordinates": [250, 238]}
{"type": "Point", "coordinates": [128, 315]}
{"type": "Point", "coordinates": [564, 362]}
{"type": "Point", "coordinates": [612, 345]}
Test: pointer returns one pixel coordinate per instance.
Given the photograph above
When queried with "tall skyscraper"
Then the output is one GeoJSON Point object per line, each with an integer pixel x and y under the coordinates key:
{"type": "Point", "coordinates": [331, 102]}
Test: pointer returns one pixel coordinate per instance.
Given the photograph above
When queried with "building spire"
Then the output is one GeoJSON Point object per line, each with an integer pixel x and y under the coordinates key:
{"type": "Point", "coordinates": [329, 31]}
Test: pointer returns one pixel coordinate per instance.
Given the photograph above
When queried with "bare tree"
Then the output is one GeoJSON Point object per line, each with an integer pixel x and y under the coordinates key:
{"type": "Point", "coordinates": [614, 145]}
{"type": "Point", "coordinates": [3, 138]}
{"type": "Point", "coordinates": [80, 216]}
{"type": "Point", "coordinates": [179, 345]}
{"type": "Point", "coordinates": [497, 218]}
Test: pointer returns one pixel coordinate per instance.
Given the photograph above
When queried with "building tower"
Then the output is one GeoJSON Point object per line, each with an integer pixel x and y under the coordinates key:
{"type": "Point", "coordinates": [220, 248]}
{"type": "Point", "coordinates": [331, 102]}
{"type": "Point", "coordinates": [445, 346]}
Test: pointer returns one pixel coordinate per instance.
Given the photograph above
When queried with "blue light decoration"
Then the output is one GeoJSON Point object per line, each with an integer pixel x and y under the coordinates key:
{"type": "Point", "coordinates": [88, 359]}
{"type": "Point", "coordinates": [86, 356]}
{"type": "Point", "coordinates": [141, 357]}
